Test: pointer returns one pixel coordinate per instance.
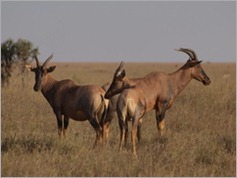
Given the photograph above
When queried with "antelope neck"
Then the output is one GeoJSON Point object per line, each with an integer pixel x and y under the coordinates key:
{"type": "Point", "coordinates": [47, 85]}
{"type": "Point", "coordinates": [180, 79]}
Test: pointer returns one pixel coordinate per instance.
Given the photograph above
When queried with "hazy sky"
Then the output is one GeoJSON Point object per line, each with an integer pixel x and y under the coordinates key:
{"type": "Point", "coordinates": [123, 30]}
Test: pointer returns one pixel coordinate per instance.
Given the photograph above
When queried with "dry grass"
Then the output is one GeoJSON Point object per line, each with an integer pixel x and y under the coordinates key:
{"type": "Point", "coordinates": [200, 137]}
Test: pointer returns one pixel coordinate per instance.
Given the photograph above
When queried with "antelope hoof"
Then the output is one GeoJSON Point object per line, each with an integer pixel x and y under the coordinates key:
{"type": "Point", "coordinates": [134, 155]}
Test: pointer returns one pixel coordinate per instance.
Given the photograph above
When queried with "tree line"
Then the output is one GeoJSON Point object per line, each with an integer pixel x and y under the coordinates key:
{"type": "Point", "coordinates": [16, 53]}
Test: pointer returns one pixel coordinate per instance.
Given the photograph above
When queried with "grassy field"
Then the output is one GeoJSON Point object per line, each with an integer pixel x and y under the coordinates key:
{"type": "Point", "coordinates": [200, 136]}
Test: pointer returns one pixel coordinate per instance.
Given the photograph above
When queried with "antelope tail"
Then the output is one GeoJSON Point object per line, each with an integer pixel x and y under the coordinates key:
{"type": "Point", "coordinates": [104, 113]}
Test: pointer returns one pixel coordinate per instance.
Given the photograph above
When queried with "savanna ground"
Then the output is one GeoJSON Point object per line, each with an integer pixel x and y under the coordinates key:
{"type": "Point", "coordinates": [200, 136]}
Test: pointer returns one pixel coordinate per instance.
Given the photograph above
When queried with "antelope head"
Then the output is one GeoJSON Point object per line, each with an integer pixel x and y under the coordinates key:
{"type": "Point", "coordinates": [194, 65]}
{"type": "Point", "coordinates": [118, 84]}
{"type": "Point", "coordinates": [41, 72]}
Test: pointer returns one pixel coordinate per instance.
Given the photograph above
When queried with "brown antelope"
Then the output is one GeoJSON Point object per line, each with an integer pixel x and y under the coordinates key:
{"type": "Point", "coordinates": [67, 99]}
{"type": "Point", "coordinates": [156, 91]}
{"type": "Point", "coordinates": [112, 105]}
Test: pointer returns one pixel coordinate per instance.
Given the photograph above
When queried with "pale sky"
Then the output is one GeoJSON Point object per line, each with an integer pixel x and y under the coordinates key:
{"type": "Point", "coordinates": [123, 30]}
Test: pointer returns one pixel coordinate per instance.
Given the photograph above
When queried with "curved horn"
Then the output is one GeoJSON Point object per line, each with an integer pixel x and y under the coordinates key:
{"type": "Point", "coordinates": [37, 61]}
{"type": "Point", "coordinates": [121, 65]}
{"type": "Point", "coordinates": [189, 52]}
{"type": "Point", "coordinates": [119, 69]}
{"type": "Point", "coordinates": [47, 60]}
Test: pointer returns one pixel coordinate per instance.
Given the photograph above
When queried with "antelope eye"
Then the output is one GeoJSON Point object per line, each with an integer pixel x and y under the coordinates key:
{"type": "Point", "coordinates": [198, 66]}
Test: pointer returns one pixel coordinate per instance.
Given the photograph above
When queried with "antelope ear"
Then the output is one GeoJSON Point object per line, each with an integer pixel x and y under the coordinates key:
{"type": "Point", "coordinates": [30, 68]}
{"type": "Point", "coordinates": [51, 69]}
{"type": "Point", "coordinates": [121, 75]}
{"type": "Point", "coordinates": [194, 63]}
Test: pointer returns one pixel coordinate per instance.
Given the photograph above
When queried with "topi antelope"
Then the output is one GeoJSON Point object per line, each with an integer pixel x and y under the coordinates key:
{"type": "Point", "coordinates": [67, 99]}
{"type": "Point", "coordinates": [112, 111]}
{"type": "Point", "coordinates": [156, 91]}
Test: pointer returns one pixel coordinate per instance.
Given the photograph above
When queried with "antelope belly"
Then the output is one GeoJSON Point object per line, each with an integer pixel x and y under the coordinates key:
{"type": "Point", "coordinates": [79, 116]}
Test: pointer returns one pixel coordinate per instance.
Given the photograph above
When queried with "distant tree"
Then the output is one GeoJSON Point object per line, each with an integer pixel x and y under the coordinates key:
{"type": "Point", "coordinates": [24, 53]}
{"type": "Point", "coordinates": [8, 51]}
{"type": "Point", "coordinates": [20, 52]}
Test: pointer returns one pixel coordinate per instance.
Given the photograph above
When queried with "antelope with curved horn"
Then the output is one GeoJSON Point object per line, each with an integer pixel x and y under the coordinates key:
{"type": "Point", "coordinates": [112, 111]}
{"type": "Point", "coordinates": [156, 91]}
{"type": "Point", "coordinates": [67, 99]}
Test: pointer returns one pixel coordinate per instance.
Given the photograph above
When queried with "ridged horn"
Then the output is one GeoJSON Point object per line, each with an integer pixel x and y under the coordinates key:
{"type": "Point", "coordinates": [119, 69]}
{"type": "Point", "coordinates": [37, 61]}
{"type": "Point", "coordinates": [47, 60]}
{"type": "Point", "coordinates": [189, 52]}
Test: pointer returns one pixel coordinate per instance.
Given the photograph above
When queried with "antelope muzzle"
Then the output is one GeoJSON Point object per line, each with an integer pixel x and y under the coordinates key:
{"type": "Point", "coordinates": [206, 81]}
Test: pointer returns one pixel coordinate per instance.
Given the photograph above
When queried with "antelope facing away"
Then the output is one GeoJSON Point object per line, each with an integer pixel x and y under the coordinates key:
{"type": "Point", "coordinates": [156, 91]}
{"type": "Point", "coordinates": [67, 99]}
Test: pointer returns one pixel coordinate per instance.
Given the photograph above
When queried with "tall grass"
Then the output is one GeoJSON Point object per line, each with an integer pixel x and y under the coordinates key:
{"type": "Point", "coordinates": [200, 136]}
